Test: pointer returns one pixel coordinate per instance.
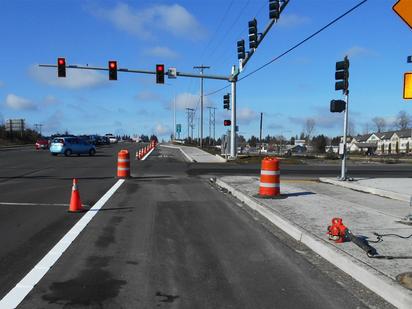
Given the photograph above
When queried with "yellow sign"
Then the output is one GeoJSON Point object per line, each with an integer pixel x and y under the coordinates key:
{"type": "Point", "coordinates": [407, 85]}
{"type": "Point", "coordinates": [404, 9]}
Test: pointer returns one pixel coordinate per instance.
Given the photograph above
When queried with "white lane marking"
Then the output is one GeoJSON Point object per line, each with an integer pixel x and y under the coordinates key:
{"type": "Point", "coordinates": [16, 295]}
{"type": "Point", "coordinates": [35, 204]}
{"type": "Point", "coordinates": [148, 154]}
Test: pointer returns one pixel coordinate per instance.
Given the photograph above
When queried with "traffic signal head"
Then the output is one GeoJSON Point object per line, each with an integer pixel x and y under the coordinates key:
{"type": "Point", "coordinates": [226, 101]}
{"type": "Point", "coordinates": [253, 35]}
{"type": "Point", "coordinates": [241, 49]}
{"type": "Point", "coordinates": [112, 70]}
{"type": "Point", "coordinates": [227, 123]}
{"type": "Point", "coordinates": [160, 73]}
{"type": "Point", "coordinates": [274, 9]}
{"type": "Point", "coordinates": [337, 106]}
{"type": "Point", "coordinates": [61, 67]}
{"type": "Point", "coordinates": [342, 75]}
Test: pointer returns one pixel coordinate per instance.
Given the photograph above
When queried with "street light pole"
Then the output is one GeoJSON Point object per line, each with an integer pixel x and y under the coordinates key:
{"type": "Point", "coordinates": [345, 132]}
{"type": "Point", "coordinates": [233, 147]}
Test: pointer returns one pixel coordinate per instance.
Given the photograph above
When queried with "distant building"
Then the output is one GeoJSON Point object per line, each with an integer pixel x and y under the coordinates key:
{"type": "Point", "coordinates": [391, 142]}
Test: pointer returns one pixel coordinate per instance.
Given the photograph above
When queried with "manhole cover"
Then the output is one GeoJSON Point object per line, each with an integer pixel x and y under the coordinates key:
{"type": "Point", "coordinates": [405, 279]}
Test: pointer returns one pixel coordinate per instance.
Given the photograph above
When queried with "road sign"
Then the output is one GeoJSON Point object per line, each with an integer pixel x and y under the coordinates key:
{"type": "Point", "coordinates": [407, 86]}
{"type": "Point", "coordinates": [178, 128]}
{"type": "Point", "coordinates": [172, 73]}
{"type": "Point", "coordinates": [403, 9]}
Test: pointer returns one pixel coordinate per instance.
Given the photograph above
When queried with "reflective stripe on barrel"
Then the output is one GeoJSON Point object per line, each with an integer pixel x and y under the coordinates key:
{"type": "Point", "coordinates": [269, 177]}
{"type": "Point", "coordinates": [123, 164]}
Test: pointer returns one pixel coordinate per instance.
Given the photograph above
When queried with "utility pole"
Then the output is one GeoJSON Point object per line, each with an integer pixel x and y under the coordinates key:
{"type": "Point", "coordinates": [174, 118]}
{"type": "Point", "coordinates": [212, 122]}
{"type": "Point", "coordinates": [201, 68]}
{"type": "Point", "coordinates": [260, 133]}
{"type": "Point", "coordinates": [190, 114]}
{"type": "Point", "coordinates": [38, 127]}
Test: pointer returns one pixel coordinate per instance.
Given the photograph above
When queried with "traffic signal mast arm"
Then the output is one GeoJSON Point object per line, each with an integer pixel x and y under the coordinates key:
{"type": "Point", "coordinates": [183, 74]}
{"type": "Point", "coordinates": [262, 36]}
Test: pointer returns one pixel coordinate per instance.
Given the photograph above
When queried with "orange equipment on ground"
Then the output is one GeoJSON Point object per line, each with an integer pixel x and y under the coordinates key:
{"type": "Point", "coordinates": [269, 178]}
{"type": "Point", "coordinates": [75, 203]}
{"type": "Point", "coordinates": [123, 164]}
{"type": "Point", "coordinates": [338, 232]}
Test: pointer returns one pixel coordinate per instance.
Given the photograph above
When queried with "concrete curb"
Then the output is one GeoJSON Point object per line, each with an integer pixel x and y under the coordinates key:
{"type": "Point", "coordinates": [355, 186]}
{"type": "Point", "coordinates": [370, 278]}
{"type": "Point", "coordinates": [221, 158]}
{"type": "Point", "coordinates": [181, 150]}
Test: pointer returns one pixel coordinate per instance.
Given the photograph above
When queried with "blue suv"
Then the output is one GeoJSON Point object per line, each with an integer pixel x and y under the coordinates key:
{"type": "Point", "coordinates": [71, 145]}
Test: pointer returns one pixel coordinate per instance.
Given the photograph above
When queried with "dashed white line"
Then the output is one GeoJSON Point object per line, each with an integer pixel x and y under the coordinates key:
{"type": "Point", "coordinates": [16, 295]}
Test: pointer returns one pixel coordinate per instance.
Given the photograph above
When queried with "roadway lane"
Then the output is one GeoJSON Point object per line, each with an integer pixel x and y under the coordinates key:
{"type": "Point", "coordinates": [37, 178]}
{"type": "Point", "coordinates": [169, 240]}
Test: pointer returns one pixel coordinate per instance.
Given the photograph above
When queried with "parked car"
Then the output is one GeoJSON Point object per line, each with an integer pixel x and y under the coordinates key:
{"type": "Point", "coordinates": [71, 145]}
{"type": "Point", "coordinates": [112, 138]}
{"type": "Point", "coordinates": [42, 143]}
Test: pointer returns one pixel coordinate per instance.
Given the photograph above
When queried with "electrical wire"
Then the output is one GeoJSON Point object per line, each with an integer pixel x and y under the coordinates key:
{"type": "Point", "coordinates": [295, 46]}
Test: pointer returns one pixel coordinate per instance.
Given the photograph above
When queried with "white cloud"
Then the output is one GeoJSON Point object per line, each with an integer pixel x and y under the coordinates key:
{"type": "Point", "coordinates": [246, 115]}
{"type": "Point", "coordinates": [19, 103]}
{"type": "Point", "coordinates": [50, 100]}
{"type": "Point", "coordinates": [292, 20]}
{"type": "Point", "coordinates": [358, 51]}
{"type": "Point", "coordinates": [161, 130]}
{"type": "Point", "coordinates": [142, 23]}
{"type": "Point", "coordinates": [161, 52]}
{"type": "Point", "coordinates": [75, 78]}
{"type": "Point", "coordinates": [147, 95]}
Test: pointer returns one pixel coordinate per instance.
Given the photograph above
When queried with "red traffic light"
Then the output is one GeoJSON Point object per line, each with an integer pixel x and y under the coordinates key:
{"type": "Point", "coordinates": [160, 73]}
{"type": "Point", "coordinates": [227, 123]}
{"type": "Point", "coordinates": [112, 70]}
{"type": "Point", "coordinates": [61, 67]}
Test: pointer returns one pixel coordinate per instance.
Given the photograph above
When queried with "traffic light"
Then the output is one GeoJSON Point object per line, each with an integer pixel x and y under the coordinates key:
{"type": "Point", "coordinates": [227, 123]}
{"type": "Point", "coordinates": [160, 73]}
{"type": "Point", "coordinates": [337, 106]}
{"type": "Point", "coordinates": [226, 101]}
{"type": "Point", "coordinates": [241, 49]}
{"type": "Point", "coordinates": [253, 35]}
{"type": "Point", "coordinates": [342, 75]}
{"type": "Point", "coordinates": [61, 67]}
{"type": "Point", "coordinates": [112, 70]}
{"type": "Point", "coordinates": [274, 9]}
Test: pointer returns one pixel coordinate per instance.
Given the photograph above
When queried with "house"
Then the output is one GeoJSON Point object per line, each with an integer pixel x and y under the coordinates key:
{"type": "Point", "coordinates": [391, 142]}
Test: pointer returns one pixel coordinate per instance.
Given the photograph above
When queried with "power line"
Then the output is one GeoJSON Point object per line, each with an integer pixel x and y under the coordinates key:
{"type": "Point", "coordinates": [294, 47]}
{"type": "Point", "coordinates": [305, 40]}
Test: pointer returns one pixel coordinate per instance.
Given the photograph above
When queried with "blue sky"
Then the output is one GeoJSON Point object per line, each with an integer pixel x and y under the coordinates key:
{"type": "Point", "coordinates": [182, 34]}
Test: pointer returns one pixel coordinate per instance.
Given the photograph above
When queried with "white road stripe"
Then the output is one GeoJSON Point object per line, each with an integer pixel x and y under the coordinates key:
{"type": "Point", "coordinates": [148, 154]}
{"type": "Point", "coordinates": [16, 295]}
{"type": "Point", "coordinates": [35, 204]}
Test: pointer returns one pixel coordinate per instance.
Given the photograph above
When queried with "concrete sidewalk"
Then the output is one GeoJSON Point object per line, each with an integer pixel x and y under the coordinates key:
{"type": "Point", "coordinates": [394, 188]}
{"type": "Point", "coordinates": [307, 209]}
{"type": "Point", "coordinates": [194, 154]}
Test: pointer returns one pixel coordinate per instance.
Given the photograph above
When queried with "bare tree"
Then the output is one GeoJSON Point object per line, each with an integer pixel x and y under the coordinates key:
{"type": "Point", "coordinates": [309, 127]}
{"type": "Point", "coordinates": [379, 123]}
{"type": "Point", "coordinates": [403, 120]}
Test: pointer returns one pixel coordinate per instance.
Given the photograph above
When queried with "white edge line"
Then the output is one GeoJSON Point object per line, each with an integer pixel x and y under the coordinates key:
{"type": "Point", "coordinates": [376, 282]}
{"type": "Point", "coordinates": [16, 295]}
{"type": "Point", "coordinates": [147, 154]}
{"type": "Point", "coordinates": [190, 159]}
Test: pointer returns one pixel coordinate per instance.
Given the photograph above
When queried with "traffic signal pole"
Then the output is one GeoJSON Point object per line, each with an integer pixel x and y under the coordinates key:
{"type": "Point", "coordinates": [233, 147]}
{"type": "Point", "coordinates": [345, 133]}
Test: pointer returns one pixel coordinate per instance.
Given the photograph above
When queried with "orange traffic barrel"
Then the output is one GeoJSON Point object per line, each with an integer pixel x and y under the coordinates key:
{"type": "Point", "coordinates": [123, 164]}
{"type": "Point", "coordinates": [269, 177]}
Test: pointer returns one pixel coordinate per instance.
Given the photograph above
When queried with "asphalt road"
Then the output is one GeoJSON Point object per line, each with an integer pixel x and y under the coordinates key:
{"type": "Point", "coordinates": [166, 239]}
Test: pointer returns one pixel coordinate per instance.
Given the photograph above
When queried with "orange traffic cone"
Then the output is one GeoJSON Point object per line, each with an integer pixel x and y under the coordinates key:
{"type": "Point", "coordinates": [75, 203]}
